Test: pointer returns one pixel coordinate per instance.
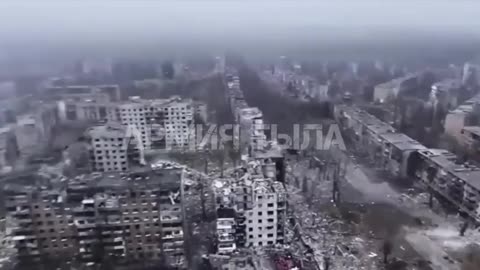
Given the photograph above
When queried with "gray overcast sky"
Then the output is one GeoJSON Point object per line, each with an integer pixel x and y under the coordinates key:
{"type": "Point", "coordinates": [51, 20]}
{"type": "Point", "coordinates": [64, 22]}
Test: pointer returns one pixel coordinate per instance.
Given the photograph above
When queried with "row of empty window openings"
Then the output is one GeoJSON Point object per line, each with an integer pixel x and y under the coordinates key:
{"type": "Point", "coordinates": [108, 163]}
{"type": "Point", "coordinates": [269, 213]}
{"type": "Point", "coordinates": [101, 169]}
{"type": "Point", "coordinates": [260, 243]}
{"type": "Point", "coordinates": [152, 109]}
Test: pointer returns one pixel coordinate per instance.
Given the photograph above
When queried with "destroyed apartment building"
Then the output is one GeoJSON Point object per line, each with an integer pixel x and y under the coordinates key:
{"type": "Point", "coordinates": [252, 138]}
{"type": "Point", "coordinates": [125, 217]}
{"type": "Point", "coordinates": [113, 147]}
{"type": "Point", "coordinates": [453, 180]}
{"type": "Point", "coordinates": [251, 209]}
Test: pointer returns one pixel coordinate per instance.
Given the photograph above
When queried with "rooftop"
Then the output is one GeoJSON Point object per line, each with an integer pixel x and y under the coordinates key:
{"type": "Point", "coordinates": [271, 150]}
{"type": "Point", "coordinates": [446, 85]}
{"type": "Point", "coordinates": [467, 107]}
{"type": "Point", "coordinates": [402, 141]}
{"type": "Point", "coordinates": [398, 81]}
{"type": "Point", "coordinates": [371, 122]}
{"type": "Point", "coordinates": [251, 113]}
{"type": "Point", "coordinates": [473, 129]}
{"type": "Point", "coordinates": [266, 185]}
{"type": "Point", "coordinates": [108, 130]}
{"type": "Point", "coordinates": [383, 130]}
{"type": "Point", "coordinates": [137, 101]}
{"type": "Point", "coordinates": [470, 174]}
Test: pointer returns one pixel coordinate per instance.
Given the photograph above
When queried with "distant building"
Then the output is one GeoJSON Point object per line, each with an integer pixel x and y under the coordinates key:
{"type": "Point", "coordinates": [252, 130]}
{"type": "Point", "coordinates": [471, 75]}
{"type": "Point", "coordinates": [163, 123]}
{"type": "Point", "coordinates": [114, 147]}
{"type": "Point", "coordinates": [53, 90]}
{"type": "Point", "coordinates": [92, 67]}
{"type": "Point", "coordinates": [219, 64]}
{"type": "Point", "coordinates": [467, 114]}
{"type": "Point", "coordinates": [444, 94]}
{"type": "Point", "coordinates": [388, 91]}
{"type": "Point", "coordinates": [28, 133]}
{"type": "Point", "coordinates": [7, 89]}
{"type": "Point", "coordinates": [471, 140]}
{"type": "Point", "coordinates": [201, 111]}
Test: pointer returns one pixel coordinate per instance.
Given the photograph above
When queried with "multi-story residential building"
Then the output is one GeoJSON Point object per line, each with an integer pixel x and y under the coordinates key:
{"type": "Point", "coordinates": [455, 181]}
{"type": "Point", "coordinates": [467, 114]}
{"type": "Point", "coordinates": [135, 114]}
{"type": "Point", "coordinates": [254, 205]}
{"type": "Point", "coordinates": [179, 116]}
{"type": "Point", "coordinates": [219, 64]}
{"type": "Point", "coordinates": [272, 159]}
{"type": "Point", "coordinates": [28, 133]}
{"type": "Point", "coordinates": [201, 110]}
{"type": "Point", "coordinates": [252, 134]}
{"type": "Point", "coordinates": [444, 94]}
{"type": "Point", "coordinates": [163, 123]}
{"type": "Point", "coordinates": [234, 95]}
{"type": "Point", "coordinates": [9, 152]}
{"type": "Point", "coordinates": [225, 230]}
{"type": "Point", "coordinates": [94, 67]}
{"type": "Point", "coordinates": [388, 91]}
{"type": "Point", "coordinates": [265, 220]}
{"type": "Point", "coordinates": [83, 102]}
{"type": "Point", "coordinates": [83, 107]}
{"type": "Point", "coordinates": [471, 140]}
{"type": "Point", "coordinates": [119, 217]}
{"type": "Point", "coordinates": [114, 147]}
{"type": "Point", "coordinates": [471, 74]}
{"type": "Point", "coordinates": [46, 118]}
{"type": "Point", "coordinates": [388, 149]}
{"type": "Point", "coordinates": [54, 90]}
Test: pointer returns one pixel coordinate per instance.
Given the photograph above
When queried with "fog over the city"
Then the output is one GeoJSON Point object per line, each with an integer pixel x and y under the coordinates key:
{"type": "Point", "coordinates": [144, 26]}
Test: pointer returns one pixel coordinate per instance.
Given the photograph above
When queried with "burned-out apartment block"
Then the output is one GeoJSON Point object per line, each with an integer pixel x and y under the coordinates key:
{"type": "Point", "coordinates": [454, 180]}
{"type": "Point", "coordinates": [120, 217]}
{"type": "Point", "coordinates": [251, 209]}
{"type": "Point", "coordinates": [113, 147]}
{"type": "Point", "coordinates": [458, 182]}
